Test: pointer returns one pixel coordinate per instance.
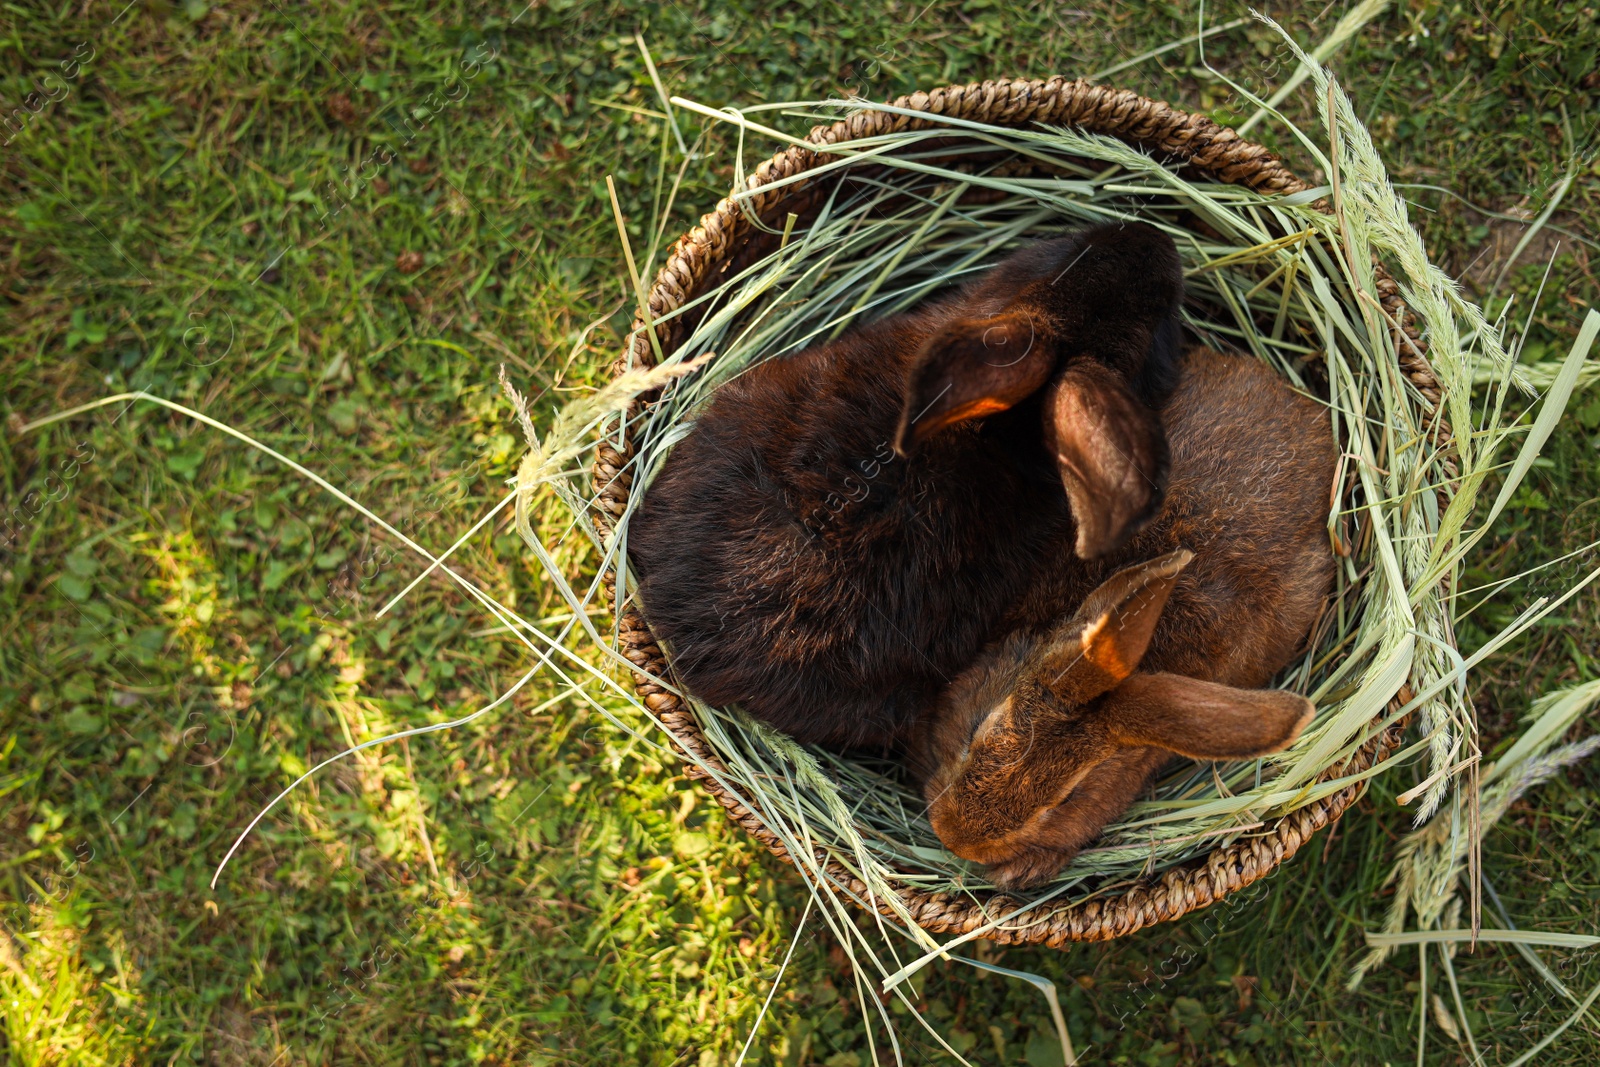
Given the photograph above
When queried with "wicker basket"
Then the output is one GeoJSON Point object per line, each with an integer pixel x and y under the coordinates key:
{"type": "Point", "coordinates": [725, 239]}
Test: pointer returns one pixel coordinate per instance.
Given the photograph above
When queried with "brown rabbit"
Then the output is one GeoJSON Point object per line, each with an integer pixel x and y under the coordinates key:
{"type": "Point", "coordinates": [842, 532]}
{"type": "Point", "coordinates": [1052, 733]}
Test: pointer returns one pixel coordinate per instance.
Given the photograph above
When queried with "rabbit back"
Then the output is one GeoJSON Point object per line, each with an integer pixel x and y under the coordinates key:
{"type": "Point", "coordinates": [799, 568]}
{"type": "Point", "coordinates": [1249, 495]}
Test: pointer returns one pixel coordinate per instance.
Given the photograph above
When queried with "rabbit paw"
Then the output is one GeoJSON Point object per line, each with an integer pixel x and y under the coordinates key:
{"type": "Point", "coordinates": [1029, 868]}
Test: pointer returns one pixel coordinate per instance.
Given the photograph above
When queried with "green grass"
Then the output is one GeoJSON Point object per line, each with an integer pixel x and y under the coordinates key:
{"type": "Point", "coordinates": [187, 625]}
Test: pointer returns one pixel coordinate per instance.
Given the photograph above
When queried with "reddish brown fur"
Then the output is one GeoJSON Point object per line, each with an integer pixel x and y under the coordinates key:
{"type": "Point", "coordinates": [1038, 717]}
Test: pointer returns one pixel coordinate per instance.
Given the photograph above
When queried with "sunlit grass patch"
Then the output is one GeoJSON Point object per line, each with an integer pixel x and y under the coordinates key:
{"type": "Point", "coordinates": [58, 1007]}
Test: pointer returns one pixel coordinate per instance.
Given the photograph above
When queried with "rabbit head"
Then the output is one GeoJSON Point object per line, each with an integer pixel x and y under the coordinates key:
{"type": "Point", "coordinates": [1091, 321]}
{"type": "Point", "coordinates": [1043, 741]}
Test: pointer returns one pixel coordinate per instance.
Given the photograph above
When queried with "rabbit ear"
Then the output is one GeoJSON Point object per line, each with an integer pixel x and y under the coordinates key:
{"type": "Point", "coordinates": [1204, 720]}
{"type": "Point", "coordinates": [1102, 643]}
{"type": "Point", "coordinates": [1111, 451]}
{"type": "Point", "coordinates": [974, 367]}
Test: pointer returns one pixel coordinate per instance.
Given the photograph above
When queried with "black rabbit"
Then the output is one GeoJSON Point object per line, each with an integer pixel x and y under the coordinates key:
{"type": "Point", "coordinates": [844, 529]}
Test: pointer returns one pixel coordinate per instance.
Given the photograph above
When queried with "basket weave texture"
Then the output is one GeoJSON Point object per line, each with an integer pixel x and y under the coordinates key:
{"type": "Point", "coordinates": [694, 264]}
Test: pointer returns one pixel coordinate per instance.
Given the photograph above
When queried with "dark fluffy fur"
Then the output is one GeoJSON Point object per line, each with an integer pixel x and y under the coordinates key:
{"type": "Point", "coordinates": [800, 568]}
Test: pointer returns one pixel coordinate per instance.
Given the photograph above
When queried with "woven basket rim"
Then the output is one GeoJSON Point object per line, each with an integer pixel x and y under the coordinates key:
{"type": "Point", "coordinates": [1193, 141]}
